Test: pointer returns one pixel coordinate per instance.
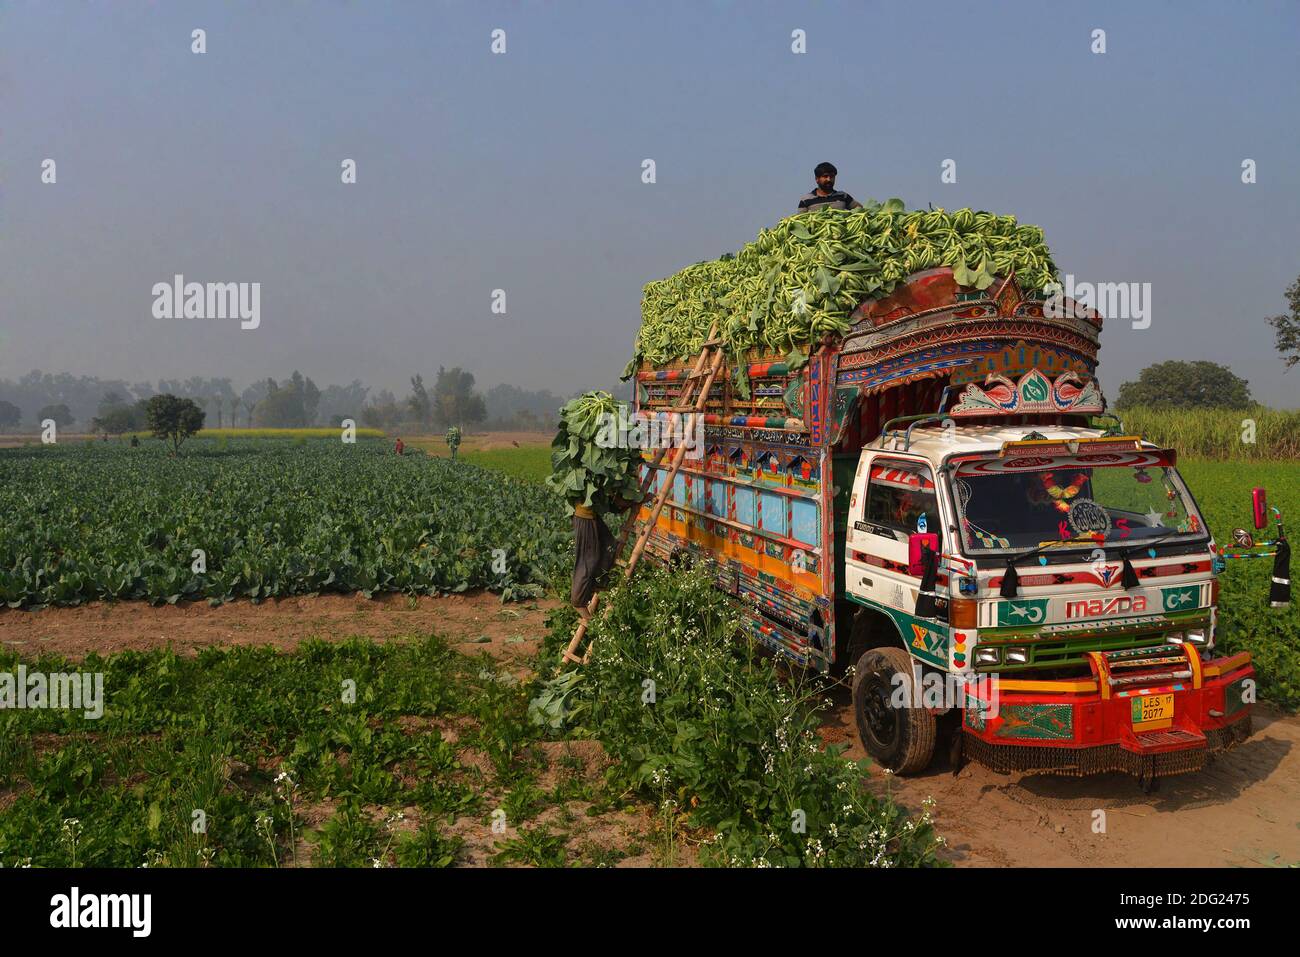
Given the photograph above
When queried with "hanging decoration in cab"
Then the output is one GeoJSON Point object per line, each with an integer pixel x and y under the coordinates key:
{"type": "Point", "coordinates": [1087, 517]}
{"type": "Point", "coordinates": [985, 537]}
{"type": "Point", "coordinates": [1063, 494]}
{"type": "Point", "coordinates": [963, 491]}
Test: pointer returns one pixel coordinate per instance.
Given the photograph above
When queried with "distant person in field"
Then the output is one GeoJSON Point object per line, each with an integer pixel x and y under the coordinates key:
{"type": "Point", "coordinates": [400, 447]}
{"type": "Point", "coordinates": [453, 441]}
{"type": "Point", "coordinates": [825, 194]}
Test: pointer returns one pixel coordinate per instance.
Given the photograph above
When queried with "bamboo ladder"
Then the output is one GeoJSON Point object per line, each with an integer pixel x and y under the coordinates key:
{"type": "Point", "coordinates": [707, 365]}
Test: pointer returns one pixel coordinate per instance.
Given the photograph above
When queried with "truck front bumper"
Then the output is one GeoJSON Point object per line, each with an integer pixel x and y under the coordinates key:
{"type": "Point", "coordinates": [1091, 726]}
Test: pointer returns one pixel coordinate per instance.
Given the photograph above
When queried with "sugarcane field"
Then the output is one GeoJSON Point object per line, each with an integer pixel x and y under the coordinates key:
{"type": "Point", "coordinates": [471, 441]}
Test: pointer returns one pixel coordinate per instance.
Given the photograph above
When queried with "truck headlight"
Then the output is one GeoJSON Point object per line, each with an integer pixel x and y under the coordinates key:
{"type": "Point", "coordinates": [1174, 638]}
{"type": "Point", "coordinates": [1198, 636]}
{"type": "Point", "coordinates": [1017, 656]}
{"type": "Point", "coordinates": [987, 656]}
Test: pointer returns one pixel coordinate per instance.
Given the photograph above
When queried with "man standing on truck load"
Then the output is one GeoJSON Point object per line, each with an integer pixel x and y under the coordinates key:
{"type": "Point", "coordinates": [826, 194]}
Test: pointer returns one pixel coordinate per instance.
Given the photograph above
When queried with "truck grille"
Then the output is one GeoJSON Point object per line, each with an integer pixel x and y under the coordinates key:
{"type": "Point", "coordinates": [1066, 652]}
{"type": "Point", "coordinates": [1147, 666]}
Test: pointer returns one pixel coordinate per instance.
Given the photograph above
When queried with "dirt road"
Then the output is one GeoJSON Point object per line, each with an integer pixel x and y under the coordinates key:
{"type": "Point", "coordinates": [1241, 811]}
{"type": "Point", "coordinates": [469, 620]}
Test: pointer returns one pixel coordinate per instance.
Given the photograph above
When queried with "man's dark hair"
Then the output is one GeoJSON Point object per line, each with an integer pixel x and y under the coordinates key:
{"type": "Point", "coordinates": [826, 169]}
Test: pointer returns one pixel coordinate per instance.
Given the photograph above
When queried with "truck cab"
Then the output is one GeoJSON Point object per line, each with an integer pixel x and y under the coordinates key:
{"type": "Point", "coordinates": [932, 500]}
{"type": "Point", "coordinates": [1072, 624]}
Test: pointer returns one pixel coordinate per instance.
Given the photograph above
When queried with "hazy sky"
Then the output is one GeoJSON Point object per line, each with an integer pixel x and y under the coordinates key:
{"type": "Point", "coordinates": [522, 171]}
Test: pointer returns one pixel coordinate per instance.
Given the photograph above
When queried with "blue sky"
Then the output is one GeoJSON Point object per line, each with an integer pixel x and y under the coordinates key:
{"type": "Point", "coordinates": [522, 171]}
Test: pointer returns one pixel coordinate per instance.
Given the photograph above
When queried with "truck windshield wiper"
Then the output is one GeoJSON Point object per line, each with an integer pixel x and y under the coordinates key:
{"type": "Point", "coordinates": [1148, 543]}
{"type": "Point", "coordinates": [1011, 578]}
{"type": "Point", "coordinates": [1129, 579]}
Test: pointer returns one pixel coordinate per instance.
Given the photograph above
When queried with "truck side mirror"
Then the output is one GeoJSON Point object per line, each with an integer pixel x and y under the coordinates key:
{"type": "Point", "coordinates": [1259, 505]}
{"type": "Point", "coordinates": [927, 560]}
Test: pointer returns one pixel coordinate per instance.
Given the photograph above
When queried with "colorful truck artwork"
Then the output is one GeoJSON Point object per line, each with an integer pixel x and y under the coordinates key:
{"type": "Point", "coordinates": [933, 488]}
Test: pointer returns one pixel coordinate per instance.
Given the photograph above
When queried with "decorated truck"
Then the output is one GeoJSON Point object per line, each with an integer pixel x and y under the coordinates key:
{"type": "Point", "coordinates": [931, 493]}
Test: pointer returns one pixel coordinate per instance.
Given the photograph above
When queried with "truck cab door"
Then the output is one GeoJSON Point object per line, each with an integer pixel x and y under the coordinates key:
{"type": "Point", "coordinates": [892, 498]}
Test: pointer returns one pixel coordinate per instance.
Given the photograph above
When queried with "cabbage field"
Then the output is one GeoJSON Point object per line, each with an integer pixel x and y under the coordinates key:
{"type": "Point", "coordinates": [262, 518]}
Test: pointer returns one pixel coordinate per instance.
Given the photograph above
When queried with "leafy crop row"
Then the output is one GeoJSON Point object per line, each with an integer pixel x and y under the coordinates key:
{"type": "Point", "coordinates": [254, 739]}
{"type": "Point", "coordinates": [708, 729]}
{"type": "Point", "coordinates": [270, 519]}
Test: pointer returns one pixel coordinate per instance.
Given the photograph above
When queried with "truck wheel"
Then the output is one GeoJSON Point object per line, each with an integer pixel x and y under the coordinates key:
{"type": "Point", "coordinates": [901, 739]}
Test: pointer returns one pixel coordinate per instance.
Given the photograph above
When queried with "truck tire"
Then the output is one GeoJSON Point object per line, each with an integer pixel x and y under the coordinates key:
{"type": "Point", "coordinates": [900, 739]}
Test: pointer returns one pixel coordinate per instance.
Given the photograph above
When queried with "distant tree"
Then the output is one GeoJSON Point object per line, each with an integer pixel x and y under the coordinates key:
{"type": "Point", "coordinates": [81, 394]}
{"type": "Point", "coordinates": [121, 419]}
{"type": "Point", "coordinates": [418, 402]}
{"type": "Point", "coordinates": [382, 412]}
{"type": "Point", "coordinates": [254, 394]}
{"type": "Point", "coordinates": [1186, 385]}
{"type": "Point", "coordinates": [1287, 327]}
{"type": "Point", "coordinates": [289, 405]}
{"type": "Point", "coordinates": [342, 402]}
{"type": "Point", "coordinates": [285, 405]}
{"type": "Point", "coordinates": [173, 418]}
{"type": "Point", "coordinates": [117, 415]}
{"type": "Point", "coordinates": [196, 387]}
{"type": "Point", "coordinates": [507, 403]}
{"type": "Point", "coordinates": [282, 409]}
{"type": "Point", "coordinates": [60, 413]}
{"type": "Point", "coordinates": [297, 388]}
{"type": "Point", "coordinates": [111, 400]}
{"type": "Point", "coordinates": [310, 401]}
{"type": "Point", "coordinates": [10, 415]}
{"type": "Point", "coordinates": [454, 400]}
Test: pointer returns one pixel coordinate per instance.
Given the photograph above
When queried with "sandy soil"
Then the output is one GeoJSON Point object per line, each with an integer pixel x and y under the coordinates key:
{"type": "Point", "coordinates": [511, 630]}
{"type": "Point", "coordinates": [1242, 810]}
{"type": "Point", "coordinates": [481, 442]}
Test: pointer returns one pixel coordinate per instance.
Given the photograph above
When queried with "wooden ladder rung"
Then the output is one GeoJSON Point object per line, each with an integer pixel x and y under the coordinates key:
{"type": "Point", "coordinates": [703, 370]}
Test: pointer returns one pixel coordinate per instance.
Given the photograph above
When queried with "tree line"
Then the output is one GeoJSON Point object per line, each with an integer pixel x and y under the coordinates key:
{"type": "Point", "coordinates": [115, 406]}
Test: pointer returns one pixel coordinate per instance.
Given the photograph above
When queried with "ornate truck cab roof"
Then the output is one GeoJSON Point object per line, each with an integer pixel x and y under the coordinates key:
{"type": "Point", "coordinates": [937, 443]}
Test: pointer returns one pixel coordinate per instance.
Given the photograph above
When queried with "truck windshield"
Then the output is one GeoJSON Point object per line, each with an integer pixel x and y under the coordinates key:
{"type": "Point", "coordinates": [1092, 505]}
